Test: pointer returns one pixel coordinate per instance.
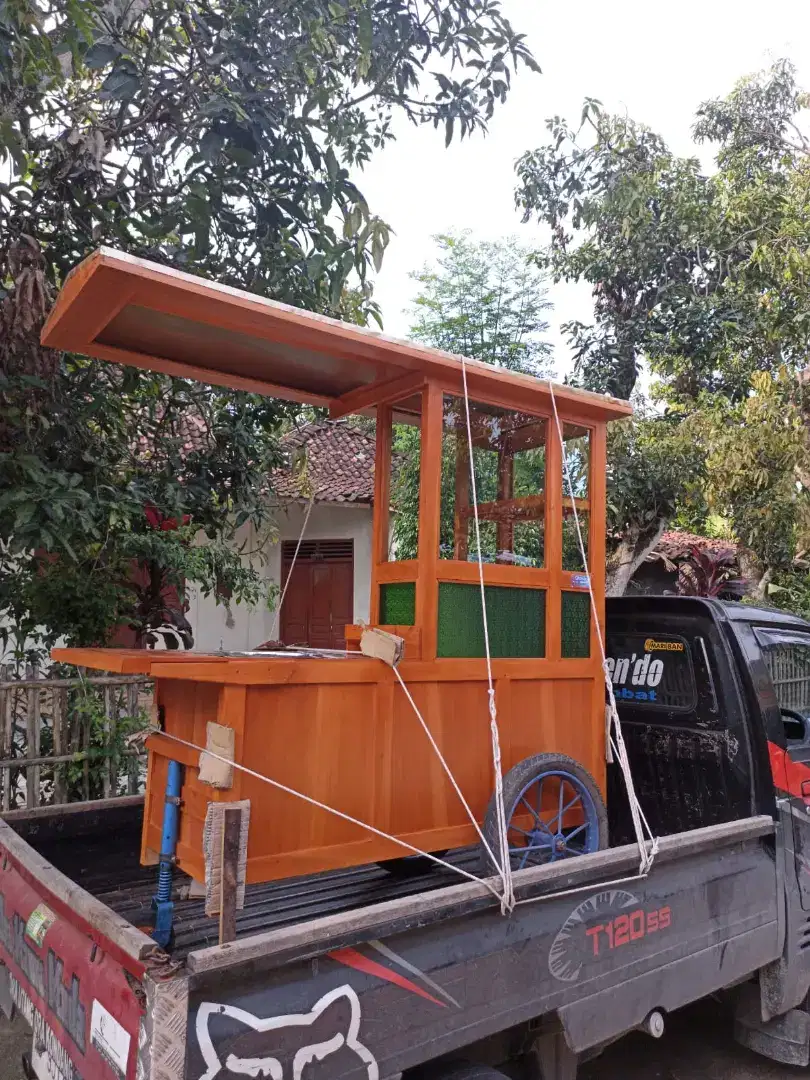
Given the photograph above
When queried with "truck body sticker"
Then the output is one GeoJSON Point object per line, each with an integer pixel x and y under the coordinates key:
{"type": "Point", "coordinates": [607, 921]}
{"type": "Point", "coordinates": [333, 1036]}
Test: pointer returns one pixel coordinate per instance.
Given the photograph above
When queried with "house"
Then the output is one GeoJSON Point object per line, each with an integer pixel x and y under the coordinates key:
{"type": "Point", "coordinates": [658, 574]}
{"type": "Point", "coordinates": [329, 483]}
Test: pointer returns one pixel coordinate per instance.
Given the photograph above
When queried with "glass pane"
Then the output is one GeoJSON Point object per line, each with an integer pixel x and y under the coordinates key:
{"type": "Point", "coordinates": [516, 621]}
{"type": "Point", "coordinates": [576, 481]}
{"type": "Point", "coordinates": [509, 457]}
{"type": "Point", "coordinates": [789, 667]}
{"type": "Point", "coordinates": [403, 520]}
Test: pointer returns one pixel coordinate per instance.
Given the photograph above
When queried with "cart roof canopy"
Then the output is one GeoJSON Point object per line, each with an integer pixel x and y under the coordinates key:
{"type": "Point", "coordinates": [131, 311]}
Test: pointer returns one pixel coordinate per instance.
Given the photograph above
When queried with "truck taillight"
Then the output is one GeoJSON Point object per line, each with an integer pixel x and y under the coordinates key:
{"type": "Point", "coordinates": [806, 793]}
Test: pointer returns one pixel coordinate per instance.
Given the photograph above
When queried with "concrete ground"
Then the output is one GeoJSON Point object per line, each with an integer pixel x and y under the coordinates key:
{"type": "Point", "coordinates": [696, 1046]}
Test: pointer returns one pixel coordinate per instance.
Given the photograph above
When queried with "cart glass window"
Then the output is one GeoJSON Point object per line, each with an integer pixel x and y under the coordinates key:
{"type": "Point", "coordinates": [403, 518]}
{"type": "Point", "coordinates": [576, 476]}
{"type": "Point", "coordinates": [509, 457]}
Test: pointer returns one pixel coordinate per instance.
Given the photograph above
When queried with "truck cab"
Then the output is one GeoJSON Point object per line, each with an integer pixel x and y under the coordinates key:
{"type": "Point", "coordinates": [714, 700]}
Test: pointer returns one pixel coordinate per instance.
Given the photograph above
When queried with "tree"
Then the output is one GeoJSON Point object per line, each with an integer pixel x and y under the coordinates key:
{"type": "Point", "coordinates": [218, 137]}
{"type": "Point", "coordinates": [654, 465]}
{"type": "Point", "coordinates": [483, 300]}
{"type": "Point", "coordinates": [705, 277]}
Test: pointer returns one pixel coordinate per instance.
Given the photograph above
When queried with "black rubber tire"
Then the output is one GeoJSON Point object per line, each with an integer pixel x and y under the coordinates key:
{"type": "Point", "coordinates": [457, 1070]}
{"type": "Point", "coordinates": [516, 780]}
{"type": "Point", "coordinates": [411, 865]}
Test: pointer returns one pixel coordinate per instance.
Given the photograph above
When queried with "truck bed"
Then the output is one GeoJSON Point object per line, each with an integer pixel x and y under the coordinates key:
{"type": "Point", "coordinates": [111, 872]}
{"type": "Point", "coordinates": [423, 967]}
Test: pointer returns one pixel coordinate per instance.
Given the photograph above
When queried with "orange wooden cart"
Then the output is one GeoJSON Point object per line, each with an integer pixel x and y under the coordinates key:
{"type": "Point", "coordinates": [340, 728]}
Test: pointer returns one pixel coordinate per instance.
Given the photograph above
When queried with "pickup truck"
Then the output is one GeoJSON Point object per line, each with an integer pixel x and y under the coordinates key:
{"type": "Point", "coordinates": [365, 975]}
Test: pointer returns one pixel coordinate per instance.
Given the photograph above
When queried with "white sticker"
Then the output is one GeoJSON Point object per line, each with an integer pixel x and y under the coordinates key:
{"type": "Point", "coordinates": [110, 1039]}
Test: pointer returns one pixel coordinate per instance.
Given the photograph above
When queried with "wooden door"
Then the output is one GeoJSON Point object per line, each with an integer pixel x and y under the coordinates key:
{"type": "Point", "coordinates": [320, 595]}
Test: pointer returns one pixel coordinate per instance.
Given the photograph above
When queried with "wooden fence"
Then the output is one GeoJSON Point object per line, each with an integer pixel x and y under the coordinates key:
{"type": "Point", "coordinates": [64, 739]}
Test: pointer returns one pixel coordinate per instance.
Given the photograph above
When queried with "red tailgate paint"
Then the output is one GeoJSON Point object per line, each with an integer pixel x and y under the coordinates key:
{"type": "Point", "coordinates": [66, 973]}
{"type": "Point", "coordinates": [354, 959]}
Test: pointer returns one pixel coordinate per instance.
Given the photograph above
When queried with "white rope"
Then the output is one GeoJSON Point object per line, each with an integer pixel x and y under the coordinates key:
{"type": "Point", "coordinates": [640, 824]}
{"type": "Point", "coordinates": [331, 810]}
{"type": "Point", "coordinates": [508, 899]}
{"type": "Point", "coordinates": [277, 615]}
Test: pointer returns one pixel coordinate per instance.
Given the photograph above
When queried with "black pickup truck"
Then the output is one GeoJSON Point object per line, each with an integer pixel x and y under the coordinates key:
{"type": "Point", "coordinates": [362, 975]}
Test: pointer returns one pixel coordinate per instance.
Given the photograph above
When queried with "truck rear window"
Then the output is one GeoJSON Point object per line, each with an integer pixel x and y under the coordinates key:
{"type": "Point", "coordinates": [652, 671]}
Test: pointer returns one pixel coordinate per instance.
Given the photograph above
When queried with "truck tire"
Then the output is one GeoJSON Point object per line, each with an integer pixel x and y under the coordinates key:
{"type": "Point", "coordinates": [458, 1070]}
{"type": "Point", "coordinates": [546, 841]}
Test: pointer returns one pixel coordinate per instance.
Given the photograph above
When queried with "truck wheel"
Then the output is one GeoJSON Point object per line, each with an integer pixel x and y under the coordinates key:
{"type": "Point", "coordinates": [411, 865]}
{"type": "Point", "coordinates": [553, 810]}
{"type": "Point", "coordinates": [457, 1070]}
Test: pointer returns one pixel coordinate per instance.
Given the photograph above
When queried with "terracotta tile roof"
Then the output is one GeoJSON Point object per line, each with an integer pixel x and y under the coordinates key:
{"type": "Point", "coordinates": [337, 466]}
{"type": "Point", "coordinates": [674, 543]}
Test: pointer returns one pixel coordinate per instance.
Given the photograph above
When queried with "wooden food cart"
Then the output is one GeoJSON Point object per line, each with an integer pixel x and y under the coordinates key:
{"type": "Point", "coordinates": [340, 728]}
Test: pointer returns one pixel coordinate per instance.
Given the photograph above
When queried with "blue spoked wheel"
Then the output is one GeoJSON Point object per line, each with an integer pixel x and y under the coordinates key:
{"type": "Point", "coordinates": [554, 811]}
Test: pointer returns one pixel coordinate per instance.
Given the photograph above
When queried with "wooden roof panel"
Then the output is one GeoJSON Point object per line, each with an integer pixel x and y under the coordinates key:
{"type": "Point", "coordinates": [127, 310]}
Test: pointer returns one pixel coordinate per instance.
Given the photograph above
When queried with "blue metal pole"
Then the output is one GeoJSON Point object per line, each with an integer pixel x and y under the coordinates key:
{"type": "Point", "coordinates": [162, 903]}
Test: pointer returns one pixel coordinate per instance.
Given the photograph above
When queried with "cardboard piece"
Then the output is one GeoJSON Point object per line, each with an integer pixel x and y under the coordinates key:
{"type": "Point", "coordinates": [220, 740]}
{"type": "Point", "coordinates": [382, 645]}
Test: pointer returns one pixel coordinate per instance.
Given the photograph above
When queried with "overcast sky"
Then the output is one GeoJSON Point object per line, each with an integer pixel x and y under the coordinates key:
{"type": "Point", "coordinates": [657, 61]}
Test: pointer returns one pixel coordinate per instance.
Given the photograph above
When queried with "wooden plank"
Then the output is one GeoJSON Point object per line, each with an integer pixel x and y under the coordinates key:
{"type": "Point", "coordinates": [231, 829]}
{"type": "Point", "coordinates": [67, 684]}
{"type": "Point", "coordinates": [59, 718]}
{"type": "Point", "coordinates": [6, 716]}
{"type": "Point", "coordinates": [526, 508]}
{"type": "Point", "coordinates": [382, 500]}
{"type": "Point", "coordinates": [427, 586]}
{"type": "Point", "coordinates": [462, 492]}
{"type": "Point", "coordinates": [32, 746]}
{"type": "Point", "coordinates": [553, 543]}
{"type": "Point", "coordinates": [132, 764]}
{"type": "Point", "coordinates": [306, 940]}
{"type": "Point", "coordinates": [381, 392]}
{"type": "Point", "coordinates": [212, 305]}
{"type": "Point", "coordinates": [102, 919]}
{"type": "Point", "coordinates": [206, 375]}
{"type": "Point", "coordinates": [109, 737]}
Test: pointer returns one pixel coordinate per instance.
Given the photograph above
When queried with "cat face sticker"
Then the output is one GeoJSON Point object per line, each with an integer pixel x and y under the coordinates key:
{"type": "Point", "coordinates": [313, 1036]}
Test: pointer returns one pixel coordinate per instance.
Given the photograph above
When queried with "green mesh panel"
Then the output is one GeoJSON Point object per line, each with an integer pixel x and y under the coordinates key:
{"type": "Point", "coordinates": [516, 619]}
{"type": "Point", "coordinates": [398, 603]}
{"type": "Point", "coordinates": [576, 625]}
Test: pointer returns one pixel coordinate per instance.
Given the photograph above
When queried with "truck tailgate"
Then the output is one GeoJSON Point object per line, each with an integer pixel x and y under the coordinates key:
{"type": "Point", "coordinates": [71, 967]}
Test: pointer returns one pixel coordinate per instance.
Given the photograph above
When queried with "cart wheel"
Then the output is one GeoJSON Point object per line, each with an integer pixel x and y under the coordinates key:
{"type": "Point", "coordinates": [411, 865]}
{"type": "Point", "coordinates": [554, 810]}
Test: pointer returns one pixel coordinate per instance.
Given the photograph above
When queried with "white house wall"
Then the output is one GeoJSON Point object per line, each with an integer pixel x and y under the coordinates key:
{"type": "Point", "coordinates": [247, 626]}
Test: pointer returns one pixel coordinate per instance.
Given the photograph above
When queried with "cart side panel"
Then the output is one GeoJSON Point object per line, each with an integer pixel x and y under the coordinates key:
{"type": "Point", "coordinates": [359, 748]}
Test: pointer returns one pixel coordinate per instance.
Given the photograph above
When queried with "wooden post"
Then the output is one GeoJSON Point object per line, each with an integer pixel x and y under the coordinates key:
{"type": "Point", "coordinates": [461, 523]}
{"type": "Point", "coordinates": [553, 540]}
{"type": "Point", "coordinates": [382, 502]}
{"type": "Point", "coordinates": [59, 714]}
{"type": "Point", "coordinates": [427, 586]}
{"type": "Point", "coordinates": [132, 762]}
{"type": "Point", "coordinates": [110, 777]}
{"type": "Point", "coordinates": [506, 487]}
{"type": "Point", "coordinates": [229, 855]}
{"type": "Point", "coordinates": [32, 742]}
{"type": "Point", "coordinates": [6, 694]}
